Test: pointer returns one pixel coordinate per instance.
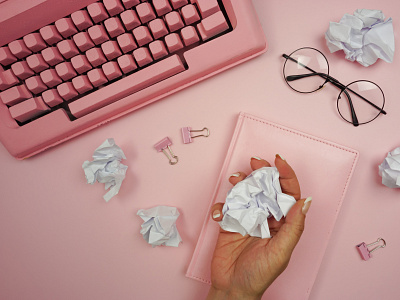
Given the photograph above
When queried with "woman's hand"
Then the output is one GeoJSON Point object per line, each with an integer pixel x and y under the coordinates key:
{"type": "Point", "coordinates": [243, 267]}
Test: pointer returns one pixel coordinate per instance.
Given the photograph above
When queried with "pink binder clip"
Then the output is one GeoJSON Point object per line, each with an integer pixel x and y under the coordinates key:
{"type": "Point", "coordinates": [187, 137]}
{"type": "Point", "coordinates": [363, 248]}
{"type": "Point", "coordinates": [164, 144]}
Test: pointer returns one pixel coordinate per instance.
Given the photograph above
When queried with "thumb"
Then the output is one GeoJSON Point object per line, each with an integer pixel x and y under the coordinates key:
{"type": "Point", "coordinates": [216, 212]}
{"type": "Point", "coordinates": [289, 234]}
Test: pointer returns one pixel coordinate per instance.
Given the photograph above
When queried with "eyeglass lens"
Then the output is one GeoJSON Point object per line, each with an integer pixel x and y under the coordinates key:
{"type": "Point", "coordinates": [360, 91]}
{"type": "Point", "coordinates": [302, 67]}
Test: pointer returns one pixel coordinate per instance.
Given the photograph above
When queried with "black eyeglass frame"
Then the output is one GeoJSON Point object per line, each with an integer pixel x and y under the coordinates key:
{"type": "Point", "coordinates": [344, 88]}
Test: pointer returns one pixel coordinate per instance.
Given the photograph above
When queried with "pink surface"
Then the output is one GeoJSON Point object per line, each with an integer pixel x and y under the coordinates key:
{"type": "Point", "coordinates": [60, 240]}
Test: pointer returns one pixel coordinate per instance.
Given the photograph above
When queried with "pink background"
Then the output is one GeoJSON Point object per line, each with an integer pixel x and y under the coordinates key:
{"type": "Point", "coordinates": [60, 240]}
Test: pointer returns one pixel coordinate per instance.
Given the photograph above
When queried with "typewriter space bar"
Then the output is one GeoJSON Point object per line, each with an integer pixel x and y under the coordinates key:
{"type": "Point", "coordinates": [126, 86]}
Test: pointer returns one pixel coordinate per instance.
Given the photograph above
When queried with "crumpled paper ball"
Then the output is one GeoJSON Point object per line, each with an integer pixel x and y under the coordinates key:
{"type": "Point", "coordinates": [363, 37]}
{"type": "Point", "coordinates": [252, 201]}
{"type": "Point", "coordinates": [106, 167]}
{"type": "Point", "coordinates": [159, 227]}
{"type": "Point", "coordinates": [389, 169]}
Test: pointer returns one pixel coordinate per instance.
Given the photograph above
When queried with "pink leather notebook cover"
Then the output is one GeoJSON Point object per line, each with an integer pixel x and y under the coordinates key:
{"type": "Point", "coordinates": [324, 170]}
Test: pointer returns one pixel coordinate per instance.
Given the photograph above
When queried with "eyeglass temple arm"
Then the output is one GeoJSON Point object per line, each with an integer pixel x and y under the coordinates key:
{"type": "Point", "coordinates": [332, 80]}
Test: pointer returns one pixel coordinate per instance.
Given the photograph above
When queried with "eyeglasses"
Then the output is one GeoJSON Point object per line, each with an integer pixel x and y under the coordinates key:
{"type": "Point", "coordinates": [312, 67]}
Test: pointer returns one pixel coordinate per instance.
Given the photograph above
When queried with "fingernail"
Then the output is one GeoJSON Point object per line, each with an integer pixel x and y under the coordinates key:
{"type": "Point", "coordinates": [306, 205]}
{"type": "Point", "coordinates": [235, 175]}
{"type": "Point", "coordinates": [216, 214]}
{"type": "Point", "coordinates": [279, 156]}
{"type": "Point", "coordinates": [256, 157]}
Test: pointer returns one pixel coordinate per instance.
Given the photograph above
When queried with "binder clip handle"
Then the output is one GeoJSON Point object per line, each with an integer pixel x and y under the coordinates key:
{"type": "Point", "coordinates": [365, 252]}
{"type": "Point", "coordinates": [187, 134]}
{"type": "Point", "coordinates": [164, 144]}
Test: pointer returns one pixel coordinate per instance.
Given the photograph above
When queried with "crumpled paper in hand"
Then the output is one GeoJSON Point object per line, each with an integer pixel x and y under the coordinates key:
{"type": "Point", "coordinates": [363, 37]}
{"type": "Point", "coordinates": [390, 169]}
{"type": "Point", "coordinates": [159, 227]}
{"type": "Point", "coordinates": [106, 168]}
{"type": "Point", "coordinates": [252, 201]}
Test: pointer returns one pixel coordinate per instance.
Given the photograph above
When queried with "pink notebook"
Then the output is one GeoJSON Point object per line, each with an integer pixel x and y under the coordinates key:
{"type": "Point", "coordinates": [324, 170]}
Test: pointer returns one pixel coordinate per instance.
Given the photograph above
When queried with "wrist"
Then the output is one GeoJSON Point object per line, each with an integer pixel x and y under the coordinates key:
{"type": "Point", "coordinates": [216, 294]}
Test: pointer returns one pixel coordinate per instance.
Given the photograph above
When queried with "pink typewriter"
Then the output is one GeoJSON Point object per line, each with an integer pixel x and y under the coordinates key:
{"type": "Point", "coordinates": [69, 66]}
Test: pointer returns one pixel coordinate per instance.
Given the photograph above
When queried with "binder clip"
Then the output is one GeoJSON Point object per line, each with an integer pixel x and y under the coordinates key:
{"type": "Point", "coordinates": [164, 144]}
{"type": "Point", "coordinates": [187, 136]}
{"type": "Point", "coordinates": [365, 252]}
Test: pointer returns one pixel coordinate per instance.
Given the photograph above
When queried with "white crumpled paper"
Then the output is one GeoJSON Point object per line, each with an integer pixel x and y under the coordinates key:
{"type": "Point", "coordinates": [364, 37]}
{"type": "Point", "coordinates": [159, 226]}
{"type": "Point", "coordinates": [389, 169]}
{"type": "Point", "coordinates": [252, 201]}
{"type": "Point", "coordinates": [106, 167]}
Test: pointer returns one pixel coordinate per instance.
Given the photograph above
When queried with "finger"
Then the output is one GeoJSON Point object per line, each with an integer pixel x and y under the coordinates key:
{"type": "Point", "coordinates": [236, 177]}
{"type": "Point", "coordinates": [257, 163]}
{"type": "Point", "coordinates": [287, 178]}
{"type": "Point", "coordinates": [289, 234]}
{"type": "Point", "coordinates": [216, 212]}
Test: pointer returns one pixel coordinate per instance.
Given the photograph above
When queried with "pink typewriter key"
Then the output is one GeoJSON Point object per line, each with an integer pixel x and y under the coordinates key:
{"type": "Point", "coordinates": [130, 3]}
{"type": "Point", "coordinates": [81, 19]}
{"type": "Point", "coordinates": [212, 25]}
{"type": "Point", "coordinates": [97, 12]}
{"type": "Point", "coordinates": [66, 27]}
{"type": "Point", "coordinates": [130, 19]}
{"type": "Point", "coordinates": [36, 62]}
{"type": "Point", "coordinates": [142, 35]}
{"type": "Point", "coordinates": [114, 26]}
{"type": "Point", "coordinates": [67, 48]}
{"type": "Point", "coordinates": [126, 42]}
{"type": "Point", "coordinates": [67, 91]}
{"type": "Point", "coordinates": [97, 77]}
{"type": "Point", "coordinates": [28, 109]}
{"type": "Point", "coordinates": [190, 14]}
{"type": "Point", "coordinates": [19, 49]}
{"type": "Point", "coordinates": [145, 12]}
{"type": "Point", "coordinates": [113, 7]}
{"type": "Point", "coordinates": [126, 63]}
{"type": "Point", "coordinates": [34, 42]}
{"type": "Point", "coordinates": [50, 78]}
{"type": "Point", "coordinates": [6, 57]}
{"type": "Point", "coordinates": [158, 49]}
{"type": "Point", "coordinates": [189, 35]}
{"type": "Point", "coordinates": [7, 79]}
{"type": "Point", "coordinates": [95, 56]}
{"type": "Point", "coordinates": [173, 42]}
{"type": "Point", "coordinates": [35, 84]}
{"type": "Point", "coordinates": [52, 97]}
{"type": "Point", "coordinates": [52, 56]}
{"type": "Point", "coordinates": [162, 7]}
{"type": "Point", "coordinates": [82, 84]}
{"type": "Point", "coordinates": [111, 70]}
{"type": "Point", "coordinates": [207, 7]}
{"type": "Point", "coordinates": [174, 21]}
{"type": "Point", "coordinates": [158, 28]}
{"type": "Point", "coordinates": [142, 56]}
{"type": "Point", "coordinates": [50, 34]}
{"type": "Point", "coordinates": [111, 49]}
{"type": "Point", "coordinates": [98, 34]}
{"type": "Point", "coordinates": [22, 70]}
{"type": "Point", "coordinates": [65, 70]}
{"type": "Point", "coordinates": [81, 63]}
{"type": "Point", "coordinates": [83, 41]}
{"type": "Point", "coordinates": [15, 94]}
{"type": "Point", "coordinates": [178, 3]}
